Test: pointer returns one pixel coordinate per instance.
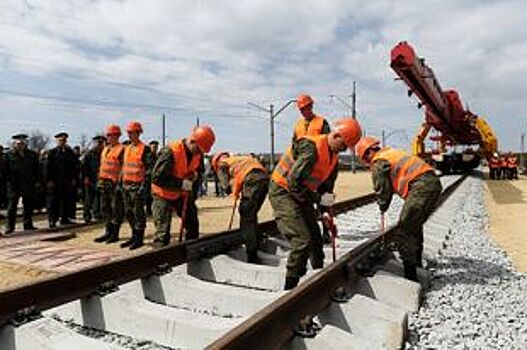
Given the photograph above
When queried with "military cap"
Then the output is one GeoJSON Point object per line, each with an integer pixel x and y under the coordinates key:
{"type": "Point", "coordinates": [99, 138]}
{"type": "Point", "coordinates": [154, 142]}
{"type": "Point", "coordinates": [19, 137]}
{"type": "Point", "coordinates": [62, 134]}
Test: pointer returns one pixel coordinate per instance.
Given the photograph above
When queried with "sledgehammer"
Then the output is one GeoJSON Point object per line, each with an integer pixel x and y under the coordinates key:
{"type": "Point", "coordinates": [327, 218]}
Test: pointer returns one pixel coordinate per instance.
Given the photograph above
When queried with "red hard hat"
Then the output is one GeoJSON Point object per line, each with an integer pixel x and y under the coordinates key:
{"type": "Point", "coordinates": [134, 127]}
{"type": "Point", "coordinates": [349, 129]}
{"type": "Point", "coordinates": [364, 145]}
{"type": "Point", "coordinates": [216, 159]}
{"type": "Point", "coordinates": [113, 129]}
{"type": "Point", "coordinates": [204, 137]}
{"type": "Point", "coordinates": [303, 100]}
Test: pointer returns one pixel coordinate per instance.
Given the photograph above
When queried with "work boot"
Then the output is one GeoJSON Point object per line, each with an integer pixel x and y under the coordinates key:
{"type": "Point", "coordinates": [67, 222]}
{"type": "Point", "coordinates": [52, 224]}
{"type": "Point", "coordinates": [129, 241]}
{"type": "Point", "coordinates": [114, 234]}
{"type": "Point", "coordinates": [161, 242]}
{"type": "Point", "coordinates": [410, 271]}
{"type": "Point", "coordinates": [105, 235]}
{"type": "Point", "coordinates": [138, 239]}
{"type": "Point", "coordinates": [9, 230]}
{"type": "Point", "coordinates": [291, 282]}
{"type": "Point", "coordinates": [252, 257]}
{"type": "Point", "coordinates": [29, 227]}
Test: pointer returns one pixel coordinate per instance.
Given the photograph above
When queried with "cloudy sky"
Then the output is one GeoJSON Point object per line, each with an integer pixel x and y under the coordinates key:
{"type": "Point", "coordinates": [78, 65]}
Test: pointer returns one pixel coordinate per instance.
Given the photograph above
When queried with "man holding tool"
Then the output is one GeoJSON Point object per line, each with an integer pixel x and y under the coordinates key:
{"type": "Point", "coordinates": [245, 176]}
{"type": "Point", "coordinates": [413, 180]}
{"type": "Point", "coordinates": [172, 178]}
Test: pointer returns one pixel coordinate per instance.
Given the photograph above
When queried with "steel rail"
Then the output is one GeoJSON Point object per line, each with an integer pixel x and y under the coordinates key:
{"type": "Point", "coordinates": [273, 326]}
{"type": "Point", "coordinates": [53, 291]}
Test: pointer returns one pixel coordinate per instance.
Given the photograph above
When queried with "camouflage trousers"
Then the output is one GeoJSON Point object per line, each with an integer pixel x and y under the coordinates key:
{"type": "Point", "coordinates": [134, 207]}
{"type": "Point", "coordinates": [253, 195]}
{"type": "Point", "coordinates": [162, 211]}
{"type": "Point", "coordinates": [421, 202]}
{"type": "Point", "coordinates": [112, 207]}
{"type": "Point", "coordinates": [298, 223]}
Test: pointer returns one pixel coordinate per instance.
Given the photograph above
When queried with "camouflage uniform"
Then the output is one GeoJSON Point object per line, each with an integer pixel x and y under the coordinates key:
{"type": "Point", "coordinates": [112, 205]}
{"type": "Point", "coordinates": [135, 195]}
{"type": "Point", "coordinates": [253, 193]}
{"type": "Point", "coordinates": [295, 213]}
{"type": "Point", "coordinates": [423, 195]}
{"type": "Point", "coordinates": [162, 208]}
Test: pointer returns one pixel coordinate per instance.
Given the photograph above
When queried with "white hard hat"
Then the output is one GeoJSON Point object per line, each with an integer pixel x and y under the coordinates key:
{"type": "Point", "coordinates": [495, 154]}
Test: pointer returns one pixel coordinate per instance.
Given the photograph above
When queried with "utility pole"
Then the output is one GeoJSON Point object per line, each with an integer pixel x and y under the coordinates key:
{"type": "Point", "coordinates": [272, 116]}
{"type": "Point", "coordinates": [353, 109]}
{"type": "Point", "coordinates": [522, 149]}
{"type": "Point", "coordinates": [164, 129]}
{"type": "Point", "coordinates": [197, 121]}
{"type": "Point", "coordinates": [383, 138]}
{"type": "Point", "coordinates": [353, 101]}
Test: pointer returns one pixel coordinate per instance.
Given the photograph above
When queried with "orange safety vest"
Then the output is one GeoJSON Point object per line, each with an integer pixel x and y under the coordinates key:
{"type": "Point", "coordinates": [325, 164]}
{"type": "Point", "coordinates": [404, 168]}
{"type": "Point", "coordinates": [512, 162]}
{"type": "Point", "coordinates": [133, 167]}
{"type": "Point", "coordinates": [308, 128]}
{"type": "Point", "coordinates": [239, 167]}
{"type": "Point", "coordinates": [181, 169]}
{"type": "Point", "coordinates": [503, 162]}
{"type": "Point", "coordinates": [494, 163]}
{"type": "Point", "coordinates": [110, 165]}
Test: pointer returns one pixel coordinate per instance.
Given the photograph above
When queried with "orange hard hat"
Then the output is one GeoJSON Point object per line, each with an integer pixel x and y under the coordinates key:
{"type": "Point", "coordinates": [364, 145]}
{"type": "Point", "coordinates": [134, 127]}
{"type": "Point", "coordinates": [113, 129]}
{"type": "Point", "coordinates": [216, 159]}
{"type": "Point", "coordinates": [204, 137]}
{"type": "Point", "coordinates": [349, 129]}
{"type": "Point", "coordinates": [303, 100]}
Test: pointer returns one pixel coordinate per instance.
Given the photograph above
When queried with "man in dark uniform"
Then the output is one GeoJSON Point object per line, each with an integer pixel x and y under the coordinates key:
{"type": "Point", "coordinates": [61, 181]}
{"type": "Point", "coordinates": [22, 177]}
{"type": "Point", "coordinates": [3, 200]}
{"type": "Point", "coordinates": [154, 145]}
{"type": "Point", "coordinates": [90, 171]}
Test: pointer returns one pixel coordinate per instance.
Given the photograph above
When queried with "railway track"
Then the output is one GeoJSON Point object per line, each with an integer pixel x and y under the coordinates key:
{"type": "Point", "coordinates": [201, 294]}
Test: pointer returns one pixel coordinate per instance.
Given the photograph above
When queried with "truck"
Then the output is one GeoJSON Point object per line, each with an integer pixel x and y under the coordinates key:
{"type": "Point", "coordinates": [460, 137]}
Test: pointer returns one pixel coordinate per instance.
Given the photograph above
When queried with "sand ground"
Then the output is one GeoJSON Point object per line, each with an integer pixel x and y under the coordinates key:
{"type": "Point", "coordinates": [507, 206]}
{"type": "Point", "coordinates": [214, 214]}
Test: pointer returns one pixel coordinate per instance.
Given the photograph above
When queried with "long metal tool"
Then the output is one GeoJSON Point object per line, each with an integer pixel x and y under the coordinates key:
{"type": "Point", "coordinates": [232, 213]}
{"type": "Point", "coordinates": [183, 216]}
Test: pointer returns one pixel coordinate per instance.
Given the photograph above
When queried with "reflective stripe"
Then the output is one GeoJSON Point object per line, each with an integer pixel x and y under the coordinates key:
{"type": "Point", "coordinates": [238, 168]}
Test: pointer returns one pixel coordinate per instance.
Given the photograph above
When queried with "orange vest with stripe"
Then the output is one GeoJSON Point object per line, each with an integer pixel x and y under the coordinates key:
{"type": "Point", "coordinates": [494, 163]}
{"type": "Point", "coordinates": [181, 169]}
{"type": "Point", "coordinates": [512, 162]}
{"type": "Point", "coordinates": [325, 164]}
{"type": "Point", "coordinates": [403, 168]}
{"type": "Point", "coordinates": [133, 167]}
{"type": "Point", "coordinates": [239, 167]}
{"type": "Point", "coordinates": [110, 164]}
{"type": "Point", "coordinates": [311, 128]}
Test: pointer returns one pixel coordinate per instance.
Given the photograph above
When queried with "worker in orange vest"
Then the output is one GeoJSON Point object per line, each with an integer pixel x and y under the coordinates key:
{"type": "Point", "coordinates": [504, 169]}
{"type": "Point", "coordinates": [395, 171]}
{"type": "Point", "coordinates": [494, 166]}
{"type": "Point", "coordinates": [173, 176]}
{"type": "Point", "coordinates": [300, 180]}
{"type": "Point", "coordinates": [245, 177]}
{"type": "Point", "coordinates": [512, 166]}
{"type": "Point", "coordinates": [137, 167]}
{"type": "Point", "coordinates": [310, 124]}
{"type": "Point", "coordinates": [109, 185]}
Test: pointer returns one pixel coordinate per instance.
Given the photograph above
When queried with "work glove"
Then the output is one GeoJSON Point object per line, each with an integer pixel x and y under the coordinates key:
{"type": "Point", "coordinates": [186, 185]}
{"type": "Point", "coordinates": [327, 199]}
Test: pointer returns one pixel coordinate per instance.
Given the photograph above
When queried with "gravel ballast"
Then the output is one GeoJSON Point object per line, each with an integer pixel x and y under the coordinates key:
{"type": "Point", "coordinates": [476, 299]}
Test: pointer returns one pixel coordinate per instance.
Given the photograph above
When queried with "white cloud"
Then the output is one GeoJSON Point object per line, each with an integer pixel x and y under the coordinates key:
{"type": "Point", "coordinates": [209, 56]}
